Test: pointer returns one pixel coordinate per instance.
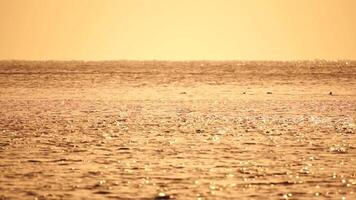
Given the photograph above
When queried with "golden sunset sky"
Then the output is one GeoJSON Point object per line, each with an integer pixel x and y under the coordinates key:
{"type": "Point", "coordinates": [177, 29]}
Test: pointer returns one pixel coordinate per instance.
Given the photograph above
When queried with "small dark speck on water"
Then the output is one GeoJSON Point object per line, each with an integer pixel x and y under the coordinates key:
{"type": "Point", "coordinates": [269, 92]}
{"type": "Point", "coordinates": [199, 131]}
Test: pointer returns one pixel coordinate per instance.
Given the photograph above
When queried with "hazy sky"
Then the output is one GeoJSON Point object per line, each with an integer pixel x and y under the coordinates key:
{"type": "Point", "coordinates": [177, 29]}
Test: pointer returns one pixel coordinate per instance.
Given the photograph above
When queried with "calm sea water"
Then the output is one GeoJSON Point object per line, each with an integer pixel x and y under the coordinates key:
{"type": "Point", "coordinates": [180, 130]}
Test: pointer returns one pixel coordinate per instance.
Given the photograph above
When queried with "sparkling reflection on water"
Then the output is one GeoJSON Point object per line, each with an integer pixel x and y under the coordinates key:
{"type": "Point", "coordinates": [160, 130]}
{"type": "Point", "coordinates": [181, 150]}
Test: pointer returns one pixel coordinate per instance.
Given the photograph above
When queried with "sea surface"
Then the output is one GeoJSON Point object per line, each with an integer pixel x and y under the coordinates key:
{"type": "Point", "coordinates": [177, 130]}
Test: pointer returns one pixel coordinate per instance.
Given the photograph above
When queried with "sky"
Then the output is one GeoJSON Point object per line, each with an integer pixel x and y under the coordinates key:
{"type": "Point", "coordinates": [177, 29]}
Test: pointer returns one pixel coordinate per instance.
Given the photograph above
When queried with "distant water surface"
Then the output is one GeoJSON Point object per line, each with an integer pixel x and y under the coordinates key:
{"type": "Point", "coordinates": [182, 130]}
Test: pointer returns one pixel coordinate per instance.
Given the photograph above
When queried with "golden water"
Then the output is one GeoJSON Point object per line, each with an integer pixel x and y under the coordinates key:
{"type": "Point", "coordinates": [186, 130]}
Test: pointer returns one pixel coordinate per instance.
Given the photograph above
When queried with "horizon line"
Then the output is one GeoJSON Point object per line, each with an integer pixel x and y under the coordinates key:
{"type": "Point", "coordinates": [180, 60]}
